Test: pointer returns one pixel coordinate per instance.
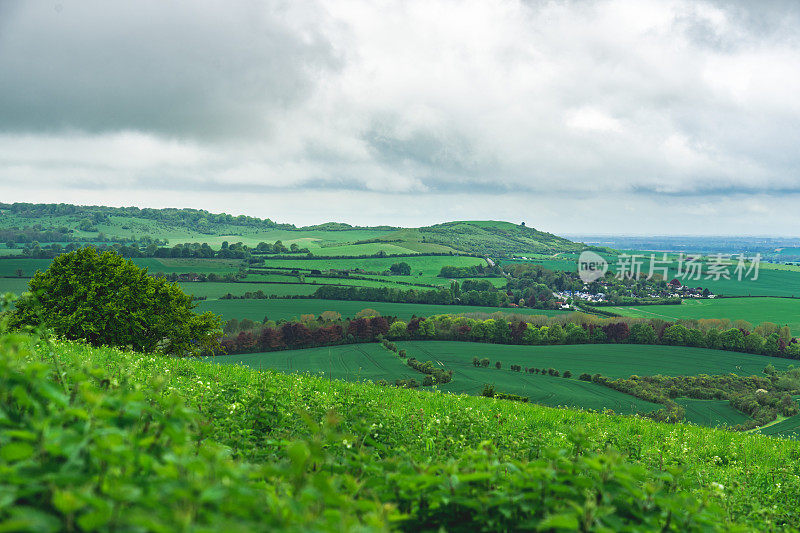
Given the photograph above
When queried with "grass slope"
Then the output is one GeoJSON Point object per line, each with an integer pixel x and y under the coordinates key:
{"type": "Point", "coordinates": [496, 238]}
{"type": "Point", "coordinates": [756, 479]}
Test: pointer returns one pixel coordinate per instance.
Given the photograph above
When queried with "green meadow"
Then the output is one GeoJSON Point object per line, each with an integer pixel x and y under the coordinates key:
{"type": "Point", "coordinates": [373, 362]}
{"type": "Point", "coordinates": [15, 285]}
{"type": "Point", "coordinates": [611, 360]}
{"type": "Point", "coordinates": [429, 265]}
{"type": "Point", "coordinates": [711, 413]}
{"type": "Point", "coordinates": [213, 291]}
{"type": "Point", "coordinates": [782, 311]}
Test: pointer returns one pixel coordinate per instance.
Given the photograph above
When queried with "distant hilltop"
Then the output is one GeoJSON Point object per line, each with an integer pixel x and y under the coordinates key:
{"type": "Point", "coordinates": [487, 237]}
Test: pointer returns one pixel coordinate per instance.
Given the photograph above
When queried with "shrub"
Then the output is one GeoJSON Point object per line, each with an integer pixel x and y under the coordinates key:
{"type": "Point", "coordinates": [566, 374]}
{"type": "Point", "coordinates": [585, 377]}
{"type": "Point", "coordinates": [498, 365]}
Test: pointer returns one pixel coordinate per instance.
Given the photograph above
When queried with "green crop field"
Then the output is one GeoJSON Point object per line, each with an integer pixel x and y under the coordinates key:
{"type": "Point", "coordinates": [9, 267]}
{"type": "Point", "coordinates": [711, 412]}
{"type": "Point", "coordinates": [186, 265]}
{"type": "Point", "coordinates": [373, 362]}
{"type": "Point", "coordinates": [286, 309]}
{"type": "Point", "coordinates": [782, 311]}
{"type": "Point", "coordinates": [547, 390]}
{"type": "Point", "coordinates": [787, 428]}
{"type": "Point", "coordinates": [212, 291]}
{"type": "Point", "coordinates": [612, 360]}
{"type": "Point", "coordinates": [429, 265]}
{"type": "Point", "coordinates": [360, 249]}
{"type": "Point", "coordinates": [355, 362]}
{"type": "Point", "coordinates": [374, 281]}
{"type": "Point", "coordinates": [15, 285]}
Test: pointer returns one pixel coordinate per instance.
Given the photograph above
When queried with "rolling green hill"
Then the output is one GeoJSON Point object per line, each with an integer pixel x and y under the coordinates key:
{"type": "Point", "coordinates": [498, 239]}
{"type": "Point", "coordinates": [21, 222]}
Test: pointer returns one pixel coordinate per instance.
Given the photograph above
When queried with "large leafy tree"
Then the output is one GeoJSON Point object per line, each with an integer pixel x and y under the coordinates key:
{"type": "Point", "coordinates": [108, 300]}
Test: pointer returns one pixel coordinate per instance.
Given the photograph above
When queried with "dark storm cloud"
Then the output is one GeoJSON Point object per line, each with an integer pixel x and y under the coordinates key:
{"type": "Point", "coordinates": [196, 69]}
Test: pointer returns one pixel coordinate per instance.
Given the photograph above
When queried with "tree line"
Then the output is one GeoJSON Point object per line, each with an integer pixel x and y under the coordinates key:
{"type": "Point", "coordinates": [764, 339]}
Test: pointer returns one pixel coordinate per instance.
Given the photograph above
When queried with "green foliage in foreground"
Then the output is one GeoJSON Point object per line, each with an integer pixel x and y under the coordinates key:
{"type": "Point", "coordinates": [107, 300]}
{"type": "Point", "coordinates": [130, 447]}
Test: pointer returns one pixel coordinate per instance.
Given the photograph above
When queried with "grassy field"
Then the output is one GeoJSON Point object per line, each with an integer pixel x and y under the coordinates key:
{"type": "Point", "coordinates": [212, 291]}
{"type": "Point", "coordinates": [186, 265]}
{"type": "Point", "coordinates": [376, 281]}
{"type": "Point", "coordinates": [15, 285]}
{"type": "Point", "coordinates": [287, 309]}
{"type": "Point", "coordinates": [427, 265]}
{"type": "Point", "coordinates": [612, 360]}
{"type": "Point", "coordinates": [355, 362]}
{"type": "Point", "coordinates": [373, 362]}
{"type": "Point", "coordinates": [9, 267]}
{"type": "Point", "coordinates": [787, 428]}
{"type": "Point", "coordinates": [782, 311]}
{"type": "Point", "coordinates": [711, 413]}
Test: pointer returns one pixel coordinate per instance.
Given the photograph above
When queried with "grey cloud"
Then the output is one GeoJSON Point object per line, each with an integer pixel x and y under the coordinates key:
{"type": "Point", "coordinates": [184, 69]}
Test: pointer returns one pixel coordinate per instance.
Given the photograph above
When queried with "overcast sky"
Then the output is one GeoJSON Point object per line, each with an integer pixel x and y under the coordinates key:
{"type": "Point", "coordinates": [667, 117]}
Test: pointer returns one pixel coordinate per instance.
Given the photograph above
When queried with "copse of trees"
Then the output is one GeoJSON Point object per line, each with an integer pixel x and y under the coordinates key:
{"type": "Point", "coordinates": [106, 300]}
{"type": "Point", "coordinates": [400, 269]}
{"type": "Point", "coordinates": [474, 271]}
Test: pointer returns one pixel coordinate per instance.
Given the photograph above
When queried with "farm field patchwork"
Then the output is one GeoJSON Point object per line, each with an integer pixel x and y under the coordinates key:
{"type": "Point", "coordinates": [611, 360]}
{"type": "Point", "coordinates": [781, 311]}
{"type": "Point", "coordinates": [286, 309]}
